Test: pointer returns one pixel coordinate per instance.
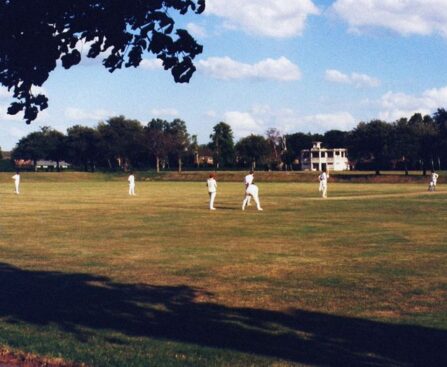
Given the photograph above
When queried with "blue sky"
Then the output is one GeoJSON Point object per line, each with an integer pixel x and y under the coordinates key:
{"type": "Point", "coordinates": [296, 65]}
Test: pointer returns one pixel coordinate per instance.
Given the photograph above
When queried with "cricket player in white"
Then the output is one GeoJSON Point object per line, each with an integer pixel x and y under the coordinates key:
{"type": "Point", "coordinates": [211, 183]}
{"type": "Point", "coordinates": [131, 180]}
{"type": "Point", "coordinates": [248, 180]}
{"type": "Point", "coordinates": [252, 191]}
{"type": "Point", "coordinates": [433, 181]}
{"type": "Point", "coordinates": [16, 179]}
{"type": "Point", "coordinates": [323, 183]}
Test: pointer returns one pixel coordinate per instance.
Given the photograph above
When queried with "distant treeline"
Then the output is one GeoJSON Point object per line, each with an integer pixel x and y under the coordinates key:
{"type": "Point", "coordinates": [418, 143]}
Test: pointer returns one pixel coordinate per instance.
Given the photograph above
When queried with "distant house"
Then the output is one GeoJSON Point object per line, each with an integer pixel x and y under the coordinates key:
{"type": "Point", "coordinates": [205, 156]}
{"type": "Point", "coordinates": [317, 158]}
{"type": "Point", "coordinates": [40, 165]}
{"type": "Point", "coordinates": [50, 165]}
{"type": "Point", "coordinates": [24, 164]}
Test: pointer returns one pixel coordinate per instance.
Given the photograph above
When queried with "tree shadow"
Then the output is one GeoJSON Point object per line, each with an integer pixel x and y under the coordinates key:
{"type": "Point", "coordinates": [78, 301]}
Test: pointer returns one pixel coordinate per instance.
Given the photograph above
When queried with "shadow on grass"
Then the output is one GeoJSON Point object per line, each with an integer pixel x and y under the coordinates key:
{"type": "Point", "coordinates": [78, 301]}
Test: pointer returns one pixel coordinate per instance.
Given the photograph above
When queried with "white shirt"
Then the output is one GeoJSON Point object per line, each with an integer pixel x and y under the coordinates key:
{"type": "Point", "coordinates": [131, 180]}
{"type": "Point", "coordinates": [323, 177]}
{"type": "Point", "coordinates": [212, 185]}
{"type": "Point", "coordinates": [434, 177]}
{"type": "Point", "coordinates": [16, 178]}
{"type": "Point", "coordinates": [248, 180]}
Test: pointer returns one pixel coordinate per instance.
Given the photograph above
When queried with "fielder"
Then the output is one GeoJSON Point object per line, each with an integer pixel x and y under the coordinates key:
{"type": "Point", "coordinates": [211, 183]}
{"type": "Point", "coordinates": [433, 181]}
{"type": "Point", "coordinates": [131, 180]}
{"type": "Point", "coordinates": [252, 191]}
{"type": "Point", "coordinates": [248, 180]}
{"type": "Point", "coordinates": [323, 183]}
{"type": "Point", "coordinates": [16, 179]}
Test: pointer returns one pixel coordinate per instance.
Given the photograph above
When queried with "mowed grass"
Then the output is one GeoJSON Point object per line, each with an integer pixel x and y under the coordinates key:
{"type": "Point", "coordinates": [92, 275]}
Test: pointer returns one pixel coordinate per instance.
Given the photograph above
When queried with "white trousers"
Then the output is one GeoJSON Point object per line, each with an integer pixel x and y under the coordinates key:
{"type": "Point", "coordinates": [131, 189]}
{"type": "Point", "coordinates": [17, 187]}
{"type": "Point", "coordinates": [212, 197]}
{"type": "Point", "coordinates": [247, 199]}
{"type": "Point", "coordinates": [323, 189]}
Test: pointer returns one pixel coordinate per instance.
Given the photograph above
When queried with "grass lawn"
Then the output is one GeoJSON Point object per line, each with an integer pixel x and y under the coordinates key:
{"type": "Point", "coordinates": [92, 275]}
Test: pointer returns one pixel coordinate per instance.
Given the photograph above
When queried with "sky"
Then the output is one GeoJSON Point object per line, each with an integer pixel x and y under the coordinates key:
{"type": "Point", "coordinates": [294, 65]}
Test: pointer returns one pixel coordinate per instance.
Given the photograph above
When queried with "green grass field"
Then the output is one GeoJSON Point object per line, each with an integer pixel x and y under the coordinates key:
{"type": "Point", "coordinates": [92, 275]}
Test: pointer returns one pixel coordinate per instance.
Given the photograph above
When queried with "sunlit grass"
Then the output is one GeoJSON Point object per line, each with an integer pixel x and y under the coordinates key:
{"type": "Point", "coordinates": [369, 251]}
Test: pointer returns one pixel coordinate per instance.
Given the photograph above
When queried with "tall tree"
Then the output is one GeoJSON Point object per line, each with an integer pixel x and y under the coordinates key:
{"type": "Point", "coordinates": [372, 141]}
{"type": "Point", "coordinates": [194, 148]}
{"type": "Point", "coordinates": [253, 149]}
{"type": "Point", "coordinates": [179, 141]}
{"type": "Point", "coordinates": [295, 143]}
{"type": "Point", "coordinates": [30, 147]}
{"type": "Point", "coordinates": [123, 140]}
{"type": "Point", "coordinates": [36, 34]}
{"type": "Point", "coordinates": [156, 140]}
{"type": "Point", "coordinates": [222, 145]}
{"type": "Point", "coordinates": [426, 131]}
{"type": "Point", "coordinates": [55, 146]}
{"type": "Point", "coordinates": [277, 144]}
{"type": "Point", "coordinates": [83, 146]}
{"type": "Point", "coordinates": [405, 143]}
{"type": "Point", "coordinates": [440, 119]}
{"type": "Point", "coordinates": [335, 139]}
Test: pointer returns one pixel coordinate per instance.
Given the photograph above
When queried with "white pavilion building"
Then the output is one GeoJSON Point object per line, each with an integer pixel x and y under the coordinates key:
{"type": "Point", "coordinates": [318, 158]}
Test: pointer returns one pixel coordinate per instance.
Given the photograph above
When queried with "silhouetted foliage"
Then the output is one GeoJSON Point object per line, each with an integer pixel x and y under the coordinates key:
{"type": "Point", "coordinates": [83, 146]}
{"type": "Point", "coordinates": [36, 34]}
{"type": "Point", "coordinates": [253, 149]}
{"type": "Point", "coordinates": [222, 145]}
{"type": "Point", "coordinates": [372, 141]}
{"type": "Point", "coordinates": [122, 141]}
{"type": "Point", "coordinates": [157, 140]}
{"type": "Point", "coordinates": [119, 143]}
{"type": "Point", "coordinates": [30, 147]}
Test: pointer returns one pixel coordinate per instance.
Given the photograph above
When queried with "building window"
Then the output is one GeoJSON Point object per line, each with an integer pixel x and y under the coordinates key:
{"type": "Point", "coordinates": [315, 166]}
{"type": "Point", "coordinates": [330, 154]}
{"type": "Point", "coordinates": [315, 155]}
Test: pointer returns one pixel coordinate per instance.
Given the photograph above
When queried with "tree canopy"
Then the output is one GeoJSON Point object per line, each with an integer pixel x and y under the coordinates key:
{"type": "Point", "coordinates": [222, 144]}
{"type": "Point", "coordinates": [416, 143]}
{"type": "Point", "coordinates": [36, 34]}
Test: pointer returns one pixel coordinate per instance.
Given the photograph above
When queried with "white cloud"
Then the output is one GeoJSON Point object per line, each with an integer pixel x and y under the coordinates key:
{"type": "Point", "coordinates": [196, 30]}
{"type": "Point", "coordinates": [396, 105]}
{"type": "Point", "coordinates": [225, 68]}
{"type": "Point", "coordinates": [244, 123]}
{"type": "Point", "coordinates": [151, 64]}
{"type": "Point", "coordinates": [259, 118]}
{"type": "Point", "coordinates": [271, 18]}
{"type": "Point", "coordinates": [74, 113]}
{"type": "Point", "coordinates": [356, 79]}
{"type": "Point", "coordinates": [337, 76]}
{"type": "Point", "coordinates": [324, 122]}
{"type": "Point", "coordinates": [159, 112]}
{"type": "Point", "coordinates": [422, 17]}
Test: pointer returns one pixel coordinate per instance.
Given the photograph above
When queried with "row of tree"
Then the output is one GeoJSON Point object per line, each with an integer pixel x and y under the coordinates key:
{"type": "Point", "coordinates": [119, 143]}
